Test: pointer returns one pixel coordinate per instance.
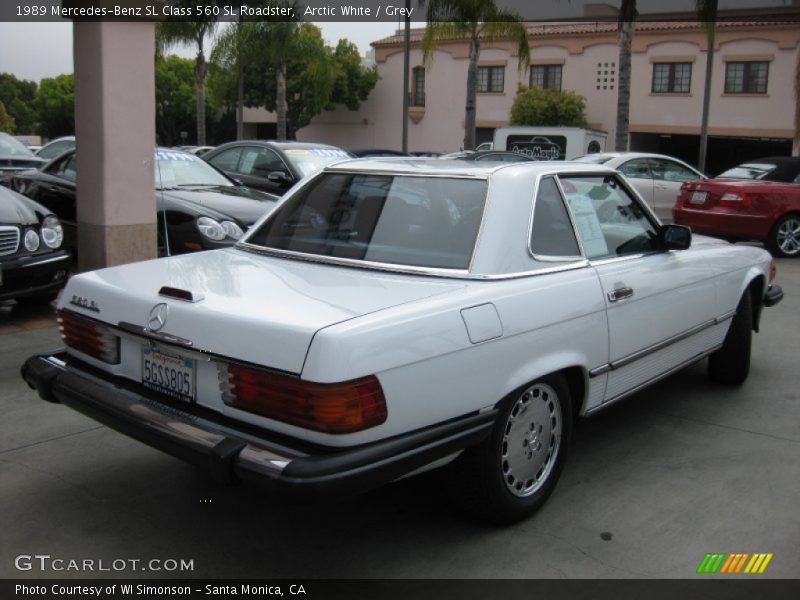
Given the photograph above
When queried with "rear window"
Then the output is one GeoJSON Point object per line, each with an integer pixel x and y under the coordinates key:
{"type": "Point", "coordinates": [748, 171]}
{"type": "Point", "coordinates": [597, 159]}
{"type": "Point", "coordinates": [403, 220]}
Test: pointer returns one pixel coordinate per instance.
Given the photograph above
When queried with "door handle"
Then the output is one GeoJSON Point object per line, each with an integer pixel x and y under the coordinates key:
{"type": "Point", "coordinates": [53, 188]}
{"type": "Point", "coordinates": [620, 294]}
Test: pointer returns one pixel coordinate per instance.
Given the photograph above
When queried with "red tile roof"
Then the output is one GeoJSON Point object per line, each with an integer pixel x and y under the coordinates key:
{"type": "Point", "coordinates": [593, 27]}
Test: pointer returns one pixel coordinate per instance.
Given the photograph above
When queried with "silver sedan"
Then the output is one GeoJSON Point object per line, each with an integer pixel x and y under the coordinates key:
{"type": "Point", "coordinates": [657, 177]}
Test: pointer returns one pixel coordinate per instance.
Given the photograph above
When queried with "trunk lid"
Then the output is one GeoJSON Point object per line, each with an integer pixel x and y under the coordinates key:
{"type": "Point", "coordinates": [257, 309]}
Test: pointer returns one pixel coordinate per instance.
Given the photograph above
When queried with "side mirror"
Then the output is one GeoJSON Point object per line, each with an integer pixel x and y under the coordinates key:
{"type": "Point", "coordinates": [675, 237]}
{"type": "Point", "coordinates": [281, 177]}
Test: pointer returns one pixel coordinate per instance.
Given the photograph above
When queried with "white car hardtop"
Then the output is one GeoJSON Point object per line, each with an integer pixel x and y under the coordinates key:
{"type": "Point", "coordinates": [392, 316]}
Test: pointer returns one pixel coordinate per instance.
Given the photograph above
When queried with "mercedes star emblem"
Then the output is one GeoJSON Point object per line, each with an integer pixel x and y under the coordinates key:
{"type": "Point", "coordinates": [158, 317]}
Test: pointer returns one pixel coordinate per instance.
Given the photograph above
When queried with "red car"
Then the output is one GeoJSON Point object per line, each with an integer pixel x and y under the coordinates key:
{"type": "Point", "coordinates": [758, 200]}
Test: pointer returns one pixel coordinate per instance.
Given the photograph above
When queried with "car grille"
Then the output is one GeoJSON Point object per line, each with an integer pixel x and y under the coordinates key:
{"type": "Point", "coordinates": [9, 239]}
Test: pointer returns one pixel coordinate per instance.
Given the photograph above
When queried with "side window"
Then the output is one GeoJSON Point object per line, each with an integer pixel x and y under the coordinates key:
{"type": "Point", "coordinates": [70, 171]}
{"type": "Point", "coordinates": [636, 169]}
{"type": "Point", "coordinates": [609, 221]}
{"type": "Point", "coordinates": [58, 167]}
{"type": "Point", "coordinates": [552, 233]}
{"type": "Point", "coordinates": [668, 170]}
{"type": "Point", "coordinates": [260, 162]}
{"type": "Point", "coordinates": [228, 160]}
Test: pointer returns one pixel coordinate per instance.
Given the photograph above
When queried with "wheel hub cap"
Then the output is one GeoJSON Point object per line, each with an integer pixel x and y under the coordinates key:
{"type": "Point", "coordinates": [789, 236]}
{"type": "Point", "coordinates": [531, 439]}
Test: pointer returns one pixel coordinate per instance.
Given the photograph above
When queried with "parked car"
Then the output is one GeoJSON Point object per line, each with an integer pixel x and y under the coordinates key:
{"type": "Point", "coordinates": [657, 177]}
{"type": "Point", "coordinates": [365, 331]}
{"type": "Point", "coordinates": [200, 150]}
{"type": "Point", "coordinates": [14, 157]}
{"type": "Point", "coordinates": [33, 264]}
{"type": "Point", "coordinates": [496, 156]}
{"type": "Point", "coordinates": [375, 152]}
{"type": "Point", "coordinates": [203, 208]}
{"type": "Point", "coordinates": [272, 166]}
{"type": "Point", "coordinates": [774, 168]}
{"type": "Point", "coordinates": [58, 146]}
{"type": "Point", "coordinates": [748, 202]}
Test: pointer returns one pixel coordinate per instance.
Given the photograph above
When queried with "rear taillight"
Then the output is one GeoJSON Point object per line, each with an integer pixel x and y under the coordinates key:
{"type": "Point", "coordinates": [734, 199]}
{"type": "Point", "coordinates": [773, 271]}
{"type": "Point", "coordinates": [89, 337]}
{"type": "Point", "coordinates": [332, 407]}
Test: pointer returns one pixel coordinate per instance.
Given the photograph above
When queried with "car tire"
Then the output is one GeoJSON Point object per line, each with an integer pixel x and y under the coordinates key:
{"type": "Point", "coordinates": [784, 237]}
{"type": "Point", "coordinates": [503, 487]}
{"type": "Point", "coordinates": [731, 363]}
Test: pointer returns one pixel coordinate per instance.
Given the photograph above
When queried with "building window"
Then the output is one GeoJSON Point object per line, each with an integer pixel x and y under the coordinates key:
{"type": "Point", "coordinates": [746, 77]}
{"type": "Point", "coordinates": [672, 78]}
{"type": "Point", "coordinates": [491, 79]}
{"type": "Point", "coordinates": [545, 76]}
{"type": "Point", "coordinates": [417, 87]}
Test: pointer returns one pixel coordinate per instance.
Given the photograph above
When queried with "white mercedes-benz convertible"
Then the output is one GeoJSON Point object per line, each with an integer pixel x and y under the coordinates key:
{"type": "Point", "coordinates": [392, 316]}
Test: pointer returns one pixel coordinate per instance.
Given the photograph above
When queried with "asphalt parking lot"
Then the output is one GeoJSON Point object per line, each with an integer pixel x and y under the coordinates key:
{"type": "Point", "coordinates": [680, 470]}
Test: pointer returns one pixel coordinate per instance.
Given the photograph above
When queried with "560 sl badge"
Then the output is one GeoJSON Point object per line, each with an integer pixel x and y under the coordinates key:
{"type": "Point", "coordinates": [84, 303]}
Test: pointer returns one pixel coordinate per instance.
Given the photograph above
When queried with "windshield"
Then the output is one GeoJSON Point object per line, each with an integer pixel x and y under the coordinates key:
{"type": "Point", "coordinates": [12, 147]}
{"type": "Point", "coordinates": [311, 160]}
{"type": "Point", "coordinates": [748, 171]}
{"type": "Point", "coordinates": [596, 159]}
{"type": "Point", "coordinates": [178, 169]}
{"type": "Point", "coordinates": [402, 220]}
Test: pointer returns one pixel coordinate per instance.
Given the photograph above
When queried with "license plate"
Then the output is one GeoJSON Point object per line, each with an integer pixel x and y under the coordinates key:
{"type": "Point", "coordinates": [169, 374]}
{"type": "Point", "coordinates": [699, 197]}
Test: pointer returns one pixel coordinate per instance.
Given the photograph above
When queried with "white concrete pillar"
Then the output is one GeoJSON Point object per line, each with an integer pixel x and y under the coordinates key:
{"type": "Point", "coordinates": [115, 132]}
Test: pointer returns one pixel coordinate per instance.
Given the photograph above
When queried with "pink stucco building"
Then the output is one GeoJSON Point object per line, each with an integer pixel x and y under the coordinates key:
{"type": "Point", "coordinates": [752, 94]}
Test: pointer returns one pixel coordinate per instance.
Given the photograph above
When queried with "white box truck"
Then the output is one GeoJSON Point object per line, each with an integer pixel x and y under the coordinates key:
{"type": "Point", "coordinates": [550, 143]}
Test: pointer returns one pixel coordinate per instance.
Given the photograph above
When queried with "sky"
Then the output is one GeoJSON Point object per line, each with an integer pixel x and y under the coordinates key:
{"type": "Point", "coordinates": [36, 50]}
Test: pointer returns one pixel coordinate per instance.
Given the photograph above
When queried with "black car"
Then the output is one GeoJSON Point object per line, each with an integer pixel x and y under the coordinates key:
{"type": "Point", "coordinates": [496, 156]}
{"type": "Point", "coordinates": [202, 208]}
{"type": "Point", "coordinates": [14, 157]}
{"type": "Point", "coordinates": [272, 166]}
{"type": "Point", "coordinates": [785, 169]}
{"type": "Point", "coordinates": [32, 263]}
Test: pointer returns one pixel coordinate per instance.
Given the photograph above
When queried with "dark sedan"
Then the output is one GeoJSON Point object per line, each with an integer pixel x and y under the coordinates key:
{"type": "Point", "coordinates": [32, 263]}
{"type": "Point", "coordinates": [15, 157]}
{"type": "Point", "coordinates": [202, 208]}
{"type": "Point", "coordinates": [272, 166]}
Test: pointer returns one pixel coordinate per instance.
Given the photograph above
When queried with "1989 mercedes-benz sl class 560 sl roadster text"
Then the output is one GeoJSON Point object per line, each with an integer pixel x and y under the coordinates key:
{"type": "Point", "coordinates": [390, 316]}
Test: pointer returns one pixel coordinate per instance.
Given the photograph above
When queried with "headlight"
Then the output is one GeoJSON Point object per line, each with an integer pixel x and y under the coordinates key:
{"type": "Point", "coordinates": [232, 229]}
{"type": "Point", "coordinates": [52, 232]}
{"type": "Point", "coordinates": [211, 228]}
{"type": "Point", "coordinates": [31, 240]}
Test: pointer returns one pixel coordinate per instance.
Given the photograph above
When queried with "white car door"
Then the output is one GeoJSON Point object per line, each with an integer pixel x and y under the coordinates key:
{"type": "Point", "coordinates": [660, 304]}
{"type": "Point", "coordinates": [638, 173]}
{"type": "Point", "coordinates": [668, 176]}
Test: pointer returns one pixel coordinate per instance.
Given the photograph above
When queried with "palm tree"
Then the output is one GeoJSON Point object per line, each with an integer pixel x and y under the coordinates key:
{"type": "Point", "coordinates": [231, 51]}
{"type": "Point", "coordinates": [627, 16]}
{"type": "Point", "coordinates": [277, 37]}
{"type": "Point", "coordinates": [707, 13]}
{"type": "Point", "coordinates": [176, 33]}
{"type": "Point", "coordinates": [478, 21]}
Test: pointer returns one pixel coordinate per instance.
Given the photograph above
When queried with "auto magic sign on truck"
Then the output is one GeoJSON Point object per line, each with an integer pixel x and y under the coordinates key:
{"type": "Point", "coordinates": [550, 143]}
